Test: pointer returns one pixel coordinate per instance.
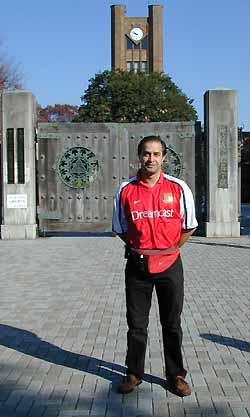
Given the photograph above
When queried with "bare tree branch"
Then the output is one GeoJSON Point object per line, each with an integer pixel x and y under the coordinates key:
{"type": "Point", "coordinates": [10, 74]}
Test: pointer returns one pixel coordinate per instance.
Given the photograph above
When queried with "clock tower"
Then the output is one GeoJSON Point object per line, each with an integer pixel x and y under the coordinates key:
{"type": "Point", "coordinates": [137, 42]}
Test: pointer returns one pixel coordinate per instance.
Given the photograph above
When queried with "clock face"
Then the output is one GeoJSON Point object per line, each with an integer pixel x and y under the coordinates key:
{"type": "Point", "coordinates": [136, 34]}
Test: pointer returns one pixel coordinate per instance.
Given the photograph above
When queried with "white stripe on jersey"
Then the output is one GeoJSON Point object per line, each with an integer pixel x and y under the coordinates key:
{"type": "Point", "coordinates": [119, 222]}
{"type": "Point", "coordinates": [187, 209]}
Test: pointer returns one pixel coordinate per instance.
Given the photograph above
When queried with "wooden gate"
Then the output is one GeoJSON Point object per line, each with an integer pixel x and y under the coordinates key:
{"type": "Point", "coordinates": [80, 166]}
{"type": "Point", "coordinates": [78, 172]}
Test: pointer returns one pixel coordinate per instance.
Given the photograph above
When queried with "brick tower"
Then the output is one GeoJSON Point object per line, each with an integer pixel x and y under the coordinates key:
{"type": "Point", "coordinates": [137, 42]}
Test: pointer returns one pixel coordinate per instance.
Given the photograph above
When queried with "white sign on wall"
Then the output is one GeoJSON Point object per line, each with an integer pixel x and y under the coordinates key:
{"type": "Point", "coordinates": [16, 200]}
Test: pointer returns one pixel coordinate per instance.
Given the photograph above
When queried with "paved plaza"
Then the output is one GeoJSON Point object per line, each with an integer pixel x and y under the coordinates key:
{"type": "Point", "coordinates": [63, 331]}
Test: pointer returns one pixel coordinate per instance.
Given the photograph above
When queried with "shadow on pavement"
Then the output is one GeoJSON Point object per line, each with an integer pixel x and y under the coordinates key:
{"type": "Point", "coordinates": [29, 343]}
{"type": "Point", "coordinates": [227, 341]}
{"type": "Point", "coordinates": [226, 245]}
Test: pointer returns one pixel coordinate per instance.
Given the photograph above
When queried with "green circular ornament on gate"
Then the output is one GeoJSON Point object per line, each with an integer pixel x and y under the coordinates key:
{"type": "Point", "coordinates": [172, 165]}
{"type": "Point", "coordinates": [78, 167]}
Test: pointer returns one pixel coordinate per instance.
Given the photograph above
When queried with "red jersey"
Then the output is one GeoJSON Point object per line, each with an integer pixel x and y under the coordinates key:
{"type": "Point", "coordinates": [154, 217]}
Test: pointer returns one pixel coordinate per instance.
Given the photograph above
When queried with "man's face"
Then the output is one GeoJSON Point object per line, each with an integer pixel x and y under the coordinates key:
{"type": "Point", "coordinates": [151, 158]}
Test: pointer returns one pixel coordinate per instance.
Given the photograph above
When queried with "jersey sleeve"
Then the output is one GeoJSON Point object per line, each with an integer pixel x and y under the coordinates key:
{"type": "Point", "coordinates": [187, 208]}
{"type": "Point", "coordinates": [119, 222]}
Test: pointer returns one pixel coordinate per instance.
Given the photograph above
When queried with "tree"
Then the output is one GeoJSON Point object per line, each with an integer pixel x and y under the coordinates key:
{"type": "Point", "coordinates": [10, 74]}
{"type": "Point", "coordinates": [121, 96]}
{"type": "Point", "coordinates": [57, 113]}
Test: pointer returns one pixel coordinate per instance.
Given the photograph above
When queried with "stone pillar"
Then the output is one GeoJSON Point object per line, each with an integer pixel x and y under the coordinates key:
{"type": "Point", "coordinates": [222, 163]}
{"type": "Point", "coordinates": [18, 162]}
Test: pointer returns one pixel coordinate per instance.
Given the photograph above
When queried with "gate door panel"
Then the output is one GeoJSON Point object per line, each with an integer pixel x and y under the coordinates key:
{"type": "Point", "coordinates": [78, 173]}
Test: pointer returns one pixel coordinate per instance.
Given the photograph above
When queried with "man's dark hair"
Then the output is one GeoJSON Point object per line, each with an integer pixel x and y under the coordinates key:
{"type": "Point", "coordinates": [152, 138]}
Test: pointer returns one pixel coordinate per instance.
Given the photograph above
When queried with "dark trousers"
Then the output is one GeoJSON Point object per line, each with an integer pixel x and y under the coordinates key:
{"type": "Point", "coordinates": [169, 286]}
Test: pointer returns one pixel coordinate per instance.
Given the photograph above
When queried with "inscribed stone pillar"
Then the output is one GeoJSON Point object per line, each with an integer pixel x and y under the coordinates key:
{"type": "Point", "coordinates": [18, 157]}
{"type": "Point", "coordinates": [222, 163]}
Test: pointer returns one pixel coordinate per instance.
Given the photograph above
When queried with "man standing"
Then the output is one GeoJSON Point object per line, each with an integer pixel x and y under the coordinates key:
{"type": "Point", "coordinates": [154, 215]}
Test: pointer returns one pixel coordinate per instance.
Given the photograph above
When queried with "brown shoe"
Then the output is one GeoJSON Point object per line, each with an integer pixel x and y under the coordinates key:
{"type": "Point", "coordinates": [129, 384]}
{"type": "Point", "coordinates": [178, 386]}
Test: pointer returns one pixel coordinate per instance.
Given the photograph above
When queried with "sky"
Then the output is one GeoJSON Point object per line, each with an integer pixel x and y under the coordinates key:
{"type": "Point", "coordinates": [59, 45]}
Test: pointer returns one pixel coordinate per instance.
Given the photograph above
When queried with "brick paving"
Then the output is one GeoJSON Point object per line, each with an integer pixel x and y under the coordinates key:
{"type": "Point", "coordinates": [63, 331]}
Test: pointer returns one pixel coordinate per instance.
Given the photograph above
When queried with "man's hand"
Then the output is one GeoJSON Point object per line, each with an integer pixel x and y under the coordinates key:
{"type": "Point", "coordinates": [123, 237]}
{"type": "Point", "coordinates": [185, 235]}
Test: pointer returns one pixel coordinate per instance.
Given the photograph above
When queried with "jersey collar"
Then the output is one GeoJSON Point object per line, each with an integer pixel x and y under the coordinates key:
{"type": "Point", "coordinates": [139, 180]}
